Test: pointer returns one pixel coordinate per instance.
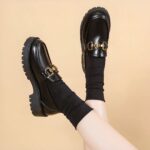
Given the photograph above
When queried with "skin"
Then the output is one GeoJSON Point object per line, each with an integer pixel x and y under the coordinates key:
{"type": "Point", "coordinates": [102, 136]}
{"type": "Point", "coordinates": [100, 108]}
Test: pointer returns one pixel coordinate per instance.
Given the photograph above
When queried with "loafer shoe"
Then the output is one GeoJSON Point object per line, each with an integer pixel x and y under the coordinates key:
{"type": "Point", "coordinates": [38, 68]}
{"type": "Point", "coordinates": [94, 34]}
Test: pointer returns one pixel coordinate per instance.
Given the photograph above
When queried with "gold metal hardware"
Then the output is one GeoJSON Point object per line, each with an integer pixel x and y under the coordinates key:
{"type": "Point", "coordinates": [91, 46]}
{"type": "Point", "coordinates": [49, 71]}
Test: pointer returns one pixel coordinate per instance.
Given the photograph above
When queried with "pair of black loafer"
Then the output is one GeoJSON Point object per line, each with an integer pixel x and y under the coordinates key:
{"type": "Point", "coordinates": [38, 67]}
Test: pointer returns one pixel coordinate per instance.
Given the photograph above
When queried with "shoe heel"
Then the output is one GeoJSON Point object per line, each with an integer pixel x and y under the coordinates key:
{"type": "Point", "coordinates": [35, 105]}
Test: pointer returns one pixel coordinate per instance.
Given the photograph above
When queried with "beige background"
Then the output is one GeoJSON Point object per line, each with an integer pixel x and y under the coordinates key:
{"type": "Point", "coordinates": [57, 22]}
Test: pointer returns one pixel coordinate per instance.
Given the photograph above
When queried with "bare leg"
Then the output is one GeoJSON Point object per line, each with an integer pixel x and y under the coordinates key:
{"type": "Point", "coordinates": [100, 109]}
{"type": "Point", "coordinates": [99, 135]}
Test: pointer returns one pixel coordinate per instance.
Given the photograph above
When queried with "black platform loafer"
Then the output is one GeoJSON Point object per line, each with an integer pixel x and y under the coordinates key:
{"type": "Point", "coordinates": [38, 69]}
{"type": "Point", "coordinates": [94, 34]}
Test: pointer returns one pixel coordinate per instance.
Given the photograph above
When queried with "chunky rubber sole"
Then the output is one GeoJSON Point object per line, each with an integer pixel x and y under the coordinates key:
{"type": "Point", "coordinates": [84, 20]}
{"type": "Point", "coordinates": [35, 99]}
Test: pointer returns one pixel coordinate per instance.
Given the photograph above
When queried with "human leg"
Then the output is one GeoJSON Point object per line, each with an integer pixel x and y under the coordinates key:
{"type": "Point", "coordinates": [94, 33]}
{"type": "Point", "coordinates": [99, 135]}
{"type": "Point", "coordinates": [100, 109]}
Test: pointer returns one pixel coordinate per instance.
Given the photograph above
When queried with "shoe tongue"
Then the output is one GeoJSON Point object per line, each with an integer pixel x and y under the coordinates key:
{"type": "Point", "coordinates": [43, 46]}
{"type": "Point", "coordinates": [44, 56]}
{"type": "Point", "coordinates": [97, 28]}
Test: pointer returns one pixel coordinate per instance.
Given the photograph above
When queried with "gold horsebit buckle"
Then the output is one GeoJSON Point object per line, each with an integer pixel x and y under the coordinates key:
{"type": "Point", "coordinates": [92, 46]}
{"type": "Point", "coordinates": [49, 72]}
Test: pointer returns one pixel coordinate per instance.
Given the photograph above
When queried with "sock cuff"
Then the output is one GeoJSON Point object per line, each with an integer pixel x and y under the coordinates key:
{"type": "Point", "coordinates": [76, 115]}
{"type": "Point", "coordinates": [95, 94]}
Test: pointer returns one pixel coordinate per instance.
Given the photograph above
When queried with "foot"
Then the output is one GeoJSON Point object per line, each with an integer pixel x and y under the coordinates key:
{"type": "Point", "coordinates": [38, 68]}
{"type": "Point", "coordinates": [94, 35]}
{"type": "Point", "coordinates": [50, 94]}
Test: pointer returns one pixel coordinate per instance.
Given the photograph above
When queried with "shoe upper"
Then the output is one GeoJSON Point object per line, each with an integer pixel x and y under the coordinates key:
{"type": "Point", "coordinates": [43, 70]}
{"type": "Point", "coordinates": [95, 32]}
